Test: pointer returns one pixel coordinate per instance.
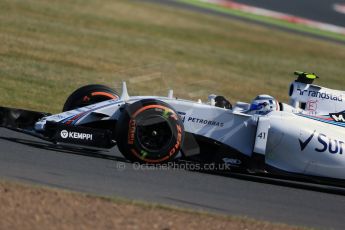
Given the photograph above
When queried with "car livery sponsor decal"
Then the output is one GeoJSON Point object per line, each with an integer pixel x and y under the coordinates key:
{"type": "Point", "coordinates": [312, 106]}
{"type": "Point", "coordinates": [232, 162]}
{"type": "Point", "coordinates": [71, 120]}
{"type": "Point", "coordinates": [64, 134]}
{"type": "Point", "coordinates": [325, 144]}
{"type": "Point", "coordinates": [325, 119]}
{"type": "Point", "coordinates": [76, 135]}
{"type": "Point", "coordinates": [182, 116]}
{"type": "Point", "coordinates": [320, 95]}
{"type": "Point", "coordinates": [197, 120]}
{"type": "Point", "coordinates": [205, 121]}
{"type": "Point", "coordinates": [304, 144]}
{"type": "Point", "coordinates": [338, 117]}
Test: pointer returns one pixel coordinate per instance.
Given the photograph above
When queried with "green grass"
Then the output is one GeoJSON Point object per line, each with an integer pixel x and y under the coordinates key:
{"type": "Point", "coordinates": [49, 48]}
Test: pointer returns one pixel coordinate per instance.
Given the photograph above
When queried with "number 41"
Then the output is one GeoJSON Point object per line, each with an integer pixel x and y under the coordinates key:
{"type": "Point", "coordinates": [262, 135]}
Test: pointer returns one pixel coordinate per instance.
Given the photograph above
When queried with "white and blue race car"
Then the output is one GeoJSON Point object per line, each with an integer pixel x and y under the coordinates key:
{"type": "Point", "coordinates": [304, 138]}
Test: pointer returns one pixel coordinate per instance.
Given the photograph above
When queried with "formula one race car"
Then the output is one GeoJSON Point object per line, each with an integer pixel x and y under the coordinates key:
{"type": "Point", "coordinates": [303, 138]}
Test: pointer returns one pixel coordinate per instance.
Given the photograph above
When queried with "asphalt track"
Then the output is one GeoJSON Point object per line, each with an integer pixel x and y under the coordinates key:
{"type": "Point", "coordinates": [32, 160]}
{"type": "Point", "coordinates": [318, 10]}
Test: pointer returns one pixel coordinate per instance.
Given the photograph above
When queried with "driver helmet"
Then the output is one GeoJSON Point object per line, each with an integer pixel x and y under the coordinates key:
{"type": "Point", "coordinates": [263, 104]}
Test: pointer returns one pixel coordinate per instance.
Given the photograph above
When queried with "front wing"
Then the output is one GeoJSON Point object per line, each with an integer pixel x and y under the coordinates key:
{"type": "Point", "coordinates": [23, 121]}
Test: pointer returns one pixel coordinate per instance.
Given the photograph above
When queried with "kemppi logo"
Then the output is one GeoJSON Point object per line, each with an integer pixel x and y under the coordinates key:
{"type": "Point", "coordinates": [64, 134]}
{"type": "Point", "coordinates": [75, 135]}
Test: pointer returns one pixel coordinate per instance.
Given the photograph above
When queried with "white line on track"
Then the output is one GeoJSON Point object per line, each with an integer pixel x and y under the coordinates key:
{"type": "Point", "coordinates": [340, 8]}
{"type": "Point", "coordinates": [281, 16]}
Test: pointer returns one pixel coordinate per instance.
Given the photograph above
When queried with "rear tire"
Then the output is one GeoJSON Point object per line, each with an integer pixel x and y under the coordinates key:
{"type": "Point", "coordinates": [149, 131]}
{"type": "Point", "coordinates": [88, 95]}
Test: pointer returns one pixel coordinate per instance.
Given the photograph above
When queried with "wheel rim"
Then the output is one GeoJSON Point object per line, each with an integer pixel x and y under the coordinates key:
{"type": "Point", "coordinates": [154, 133]}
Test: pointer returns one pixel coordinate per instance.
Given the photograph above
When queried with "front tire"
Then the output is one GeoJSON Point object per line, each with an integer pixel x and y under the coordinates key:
{"type": "Point", "coordinates": [149, 131]}
{"type": "Point", "coordinates": [88, 95]}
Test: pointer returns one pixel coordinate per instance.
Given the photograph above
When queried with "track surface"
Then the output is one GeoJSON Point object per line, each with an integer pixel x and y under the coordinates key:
{"type": "Point", "coordinates": [106, 173]}
{"type": "Point", "coordinates": [318, 10]}
{"type": "Point", "coordinates": [322, 12]}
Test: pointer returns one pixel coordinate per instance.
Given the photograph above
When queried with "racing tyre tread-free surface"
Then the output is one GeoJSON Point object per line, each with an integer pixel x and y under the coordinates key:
{"type": "Point", "coordinates": [88, 95]}
{"type": "Point", "coordinates": [149, 131]}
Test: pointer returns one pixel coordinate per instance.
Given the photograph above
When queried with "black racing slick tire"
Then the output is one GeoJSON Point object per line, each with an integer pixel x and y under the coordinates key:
{"type": "Point", "coordinates": [88, 95]}
{"type": "Point", "coordinates": [149, 131]}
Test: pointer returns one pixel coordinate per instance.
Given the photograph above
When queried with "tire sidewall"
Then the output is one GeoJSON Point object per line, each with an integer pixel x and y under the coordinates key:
{"type": "Point", "coordinates": [127, 138]}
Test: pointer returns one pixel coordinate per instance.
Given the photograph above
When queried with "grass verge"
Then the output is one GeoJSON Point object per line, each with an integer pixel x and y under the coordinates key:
{"type": "Point", "coordinates": [26, 207]}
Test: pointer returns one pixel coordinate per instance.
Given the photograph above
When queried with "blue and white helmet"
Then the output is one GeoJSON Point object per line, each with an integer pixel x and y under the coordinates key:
{"type": "Point", "coordinates": [263, 104]}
